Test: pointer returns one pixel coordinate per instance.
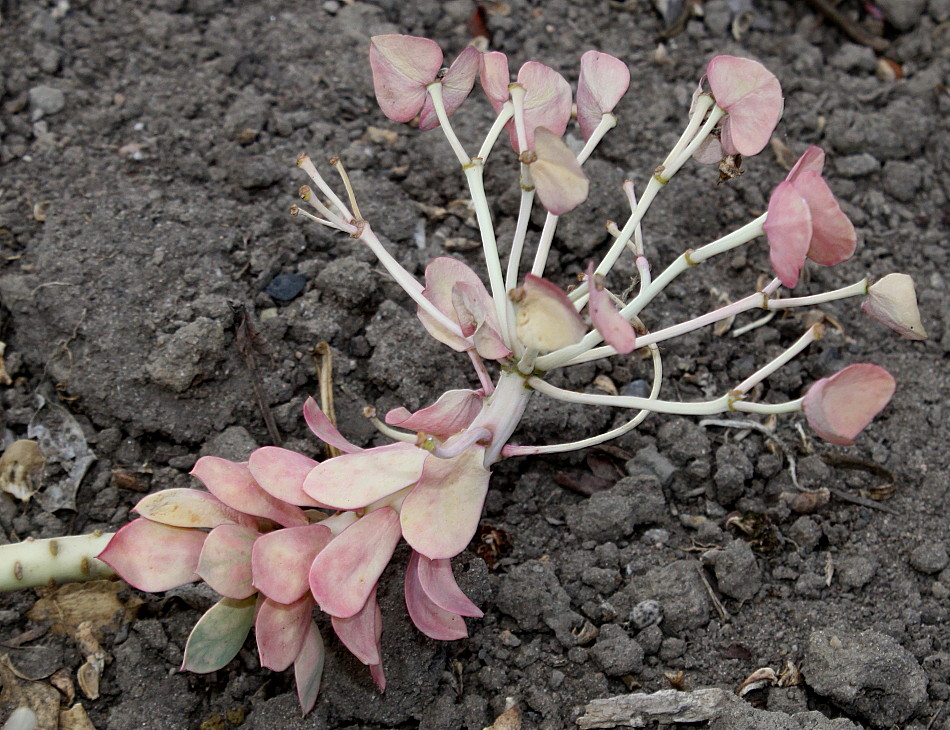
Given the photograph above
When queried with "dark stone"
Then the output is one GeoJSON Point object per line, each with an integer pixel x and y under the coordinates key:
{"type": "Point", "coordinates": [286, 287]}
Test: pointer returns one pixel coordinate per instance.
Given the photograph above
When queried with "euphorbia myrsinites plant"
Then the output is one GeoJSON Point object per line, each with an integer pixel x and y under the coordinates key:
{"type": "Point", "coordinates": [282, 533]}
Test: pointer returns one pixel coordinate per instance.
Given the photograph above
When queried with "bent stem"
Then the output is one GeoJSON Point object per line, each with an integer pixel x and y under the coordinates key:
{"type": "Point", "coordinates": [34, 563]}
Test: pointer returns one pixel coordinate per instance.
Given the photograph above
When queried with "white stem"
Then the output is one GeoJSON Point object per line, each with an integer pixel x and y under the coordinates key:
{"type": "Point", "coordinates": [406, 280]}
{"type": "Point", "coordinates": [607, 435]}
{"type": "Point", "coordinates": [699, 112]}
{"type": "Point", "coordinates": [33, 563]}
{"type": "Point", "coordinates": [504, 115]}
{"type": "Point", "coordinates": [670, 170]}
{"type": "Point", "coordinates": [702, 408]}
{"type": "Point", "coordinates": [483, 377]}
{"type": "Point", "coordinates": [767, 409]}
{"type": "Point", "coordinates": [518, 92]}
{"type": "Point", "coordinates": [476, 185]}
{"type": "Point", "coordinates": [435, 93]}
{"type": "Point", "coordinates": [409, 437]}
{"type": "Point", "coordinates": [502, 412]}
{"type": "Point", "coordinates": [544, 244]}
{"type": "Point", "coordinates": [859, 288]}
{"type": "Point", "coordinates": [814, 333]}
{"type": "Point", "coordinates": [607, 122]}
{"type": "Point", "coordinates": [461, 442]}
{"type": "Point", "coordinates": [306, 164]}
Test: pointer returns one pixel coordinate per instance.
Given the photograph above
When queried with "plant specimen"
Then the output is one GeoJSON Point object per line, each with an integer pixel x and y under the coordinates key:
{"type": "Point", "coordinates": [282, 533]}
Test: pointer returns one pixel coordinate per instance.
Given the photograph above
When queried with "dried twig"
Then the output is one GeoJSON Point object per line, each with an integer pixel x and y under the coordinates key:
{"type": "Point", "coordinates": [720, 609]}
{"type": "Point", "coordinates": [246, 339]}
{"type": "Point", "coordinates": [848, 26]}
{"type": "Point", "coordinates": [323, 358]}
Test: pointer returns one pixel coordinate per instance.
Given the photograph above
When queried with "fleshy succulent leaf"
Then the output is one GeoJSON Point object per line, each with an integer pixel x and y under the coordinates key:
{"type": "Point", "coordinates": [441, 513]}
{"type": "Point", "coordinates": [352, 481]}
{"type": "Point", "coordinates": [233, 484]}
{"type": "Point", "coordinates": [281, 473]}
{"type": "Point", "coordinates": [308, 668]}
{"type": "Point", "coordinates": [789, 230]}
{"type": "Point", "coordinates": [281, 560]}
{"type": "Point", "coordinates": [603, 81]}
{"type": "Point", "coordinates": [451, 413]}
{"type": "Point", "coordinates": [456, 86]}
{"type": "Point", "coordinates": [361, 633]}
{"type": "Point", "coordinates": [840, 407]}
{"type": "Point", "coordinates": [430, 619]}
{"type": "Point", "coordinates": [219, 635]}
{"type": "Point", "coordinates": [560, 183]}
{"type": "Point", "coordinates": [189, 508]}
{"type": "Point", "coordinates": [546, 319]}
{"type": "Point", "coordinates": [616, 331]}
{"type": "Point", "coordinates": [402, 67]}
{"type": "Point", "coordinates": [324, 430]}
{"type": "Point", "coordinates": [225, 560]}
{"type": "Point", "coordinates": [752, 96]}
{"type": "Point", "coordinates": [345, 572]}
{"type": "Point", "coordinates": [281, 630]}
{"type": "Point", "coordinates": [154, 557]}
{"type": "Point", "coordinates": [892, 301]}
{"type": "Point", "coordinates": [378, 675]}
{"type": "Point", "coordinates": [832, 237]}
{"type": "Point", "coordinates": [438, 582]}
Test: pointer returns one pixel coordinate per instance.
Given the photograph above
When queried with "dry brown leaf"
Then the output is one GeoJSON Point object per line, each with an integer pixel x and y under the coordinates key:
{"type": "Point", "coordinates": [61, 680]}
{"type": "Point", "coordinates": [75, 718]}
{"type": "Point", "coordinates": [604, 383]}
{"type": "Point", "coordinates": [4, 375]}
{"type": "Point", "coordinates": [96, 602]}
{"type": "Point", "coordinates": [510, 719]}
{"type": "Point", "coordinates": [21, 468]}
{"type": "Point", "coordinates": [39, 697]}
{"type": "Point", "coordinates": [783, 155]}
{"type": "Point", "coordinates": [758, 679]}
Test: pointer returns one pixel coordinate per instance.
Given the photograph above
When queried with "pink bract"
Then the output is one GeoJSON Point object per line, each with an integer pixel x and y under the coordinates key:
{"type": "Point", "coordinates": [788, 228]}
{"type": "Point", "coordinates": [438, 582]}
{"type": "Point", "coordinates": [281, 560]}
{"type": "Point", "coordinates": [840, 407]}
{"type": "Point", "coordinates": [225, 560]}
{"type": "Point", "coordinates": [432, 620]}
{"type": "Point", "coordinates": [281, 631]}
{"type": "Point", "coordinates": [547, 102]}
{"type": "Point", "coordinates": [546, 319]}
{"type": "Point", "coordinates": [281, 473]}
{"type": "Point", "coordinates": [892, 301]}
{"type": "Point", "coordinates": [494, 77]}
{"type": "Point", "coordinates": [560, 183]}
{"type": "Point", "coordinates": [752, 96]}
{"type": "Point", "coordinates": [402, 67]}
{"type": "Point", "coordinates": [361, 633]}
{"type": "Point", "coordinates": [453, 412]}
{"type": "Point", "coordinates": [324, 430]}
{"type": "Point", "coordinates": [603, 81]}
{"type": "Point", "coordinates": [616, 331]}
{"type": "Point", "coordinates": [456, 86]}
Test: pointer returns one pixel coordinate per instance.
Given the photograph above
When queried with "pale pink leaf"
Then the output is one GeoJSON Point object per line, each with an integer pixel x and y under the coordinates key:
{"type": "Point", "coordinates": [281, 473]}
{"type": "Point", "coordinates": [361, 633]}
{"type": "Point", "coordinates": [451, 413]}
{"type": "Point", "coordinates": [441, 513]}
{"type": "Point", "coordinates": [376, 672]}
{"type": "Point", "coordinates": [616, 331]}
{"type": "Point", "coordinates": [190, 508]}
{"type": "Point", "coordinates": [603, 81]}
{"type": "Point", "coordinates": [892, 301]}
{"type": "Point", "coordinates": [438, 582]}
{"type": "Point", "coordinates": [456, 86]}
{"type": "Point", "coordinates": [558, 179]}
{"type": "Point", "coordinates": [752, 96]}
{"type": "Point", "coordinates": [233, 484]}
{"type": "Point", "coordinates": [442, 274]}
{"type": "Point", "coordinates": [840, 407]}
{"type": "Point", "coordinates": [225, 560]}
{"type": "Point", "coordinates": [833, 239]}
{"type": "Point", "coordinates": [495, 78]}
{"type": "Point", "coordinates": [345, 572]}
{"type": "Point", "coordinates": [308, 668]}
{"type": "Point", "coordinates": [281, 631]}
{"type": "Point", "coordinates": [789, 231]}
{"type": "Point", "coordinates": [402, 67]}
{"type": "Point", "coordinates": [547, 102]}
{"type": "Point", "coordinates": [219, 635]}
{"type": "Point", "coordinates": [324, 430]}
{"type": "Point", "coordinates": [154, 557]}
{"type": "Point", "coordinates": [352, 481]}
{"type": "Point", "coordinates": [546, 319]}
{"type": "Point", "coordinates": [430, 619]}
{"type": "Point", "coordinates": [281, 560]}
{"type": "Point", "coordinates": [812, 160]}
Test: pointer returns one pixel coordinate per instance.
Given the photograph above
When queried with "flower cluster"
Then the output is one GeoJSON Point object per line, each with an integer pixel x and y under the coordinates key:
{"type": "Point", "coordinates": [283, 533]}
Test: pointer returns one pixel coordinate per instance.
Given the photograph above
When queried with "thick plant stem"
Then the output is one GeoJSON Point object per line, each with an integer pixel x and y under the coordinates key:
{"type": "Point", "coordinates": [33, 563]}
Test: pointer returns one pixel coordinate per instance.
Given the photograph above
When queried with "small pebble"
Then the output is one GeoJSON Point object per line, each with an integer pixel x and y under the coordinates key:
{"type": "Point", "coordinates": [637, 388]}
{"type": "Point", "coordinates": [929, 557]}
{"type": "Point", "coordinates": [646, 613]}
{"type": "Point", "coordinates": [286, 287]}
{"type": "Point", "coordinates": [46, 101]}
